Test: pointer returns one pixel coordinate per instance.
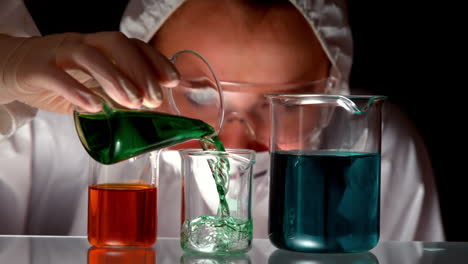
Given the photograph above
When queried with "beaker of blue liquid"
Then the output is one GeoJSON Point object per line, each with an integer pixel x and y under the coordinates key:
{"type": "Point", "coordinates": [325, 172]}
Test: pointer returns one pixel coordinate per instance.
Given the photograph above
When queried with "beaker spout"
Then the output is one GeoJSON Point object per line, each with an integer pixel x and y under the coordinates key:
{"type": "Point", "coordinates": [359, 104]}
{"type": "Point", "coordinates": [355, 104]}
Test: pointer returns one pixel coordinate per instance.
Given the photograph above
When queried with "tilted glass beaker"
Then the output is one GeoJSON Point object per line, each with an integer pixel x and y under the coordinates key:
{"type": "Point", "coordinates": [192, 110]}
{"type": "Point", "coordinates": [325, 172]}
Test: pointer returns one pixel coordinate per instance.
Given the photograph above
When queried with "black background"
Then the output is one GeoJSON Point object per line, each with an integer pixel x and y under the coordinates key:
{"type": "Point", "coordinates": [407, 51]}
{"type": "Point", "coordinates": [402, 50]}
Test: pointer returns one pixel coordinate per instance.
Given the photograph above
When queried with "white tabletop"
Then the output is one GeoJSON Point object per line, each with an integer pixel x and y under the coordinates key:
{"type": "Point", "coordinates": [70, 250]}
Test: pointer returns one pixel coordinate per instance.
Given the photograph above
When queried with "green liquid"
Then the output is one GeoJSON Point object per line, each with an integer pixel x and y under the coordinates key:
{"type": "Point", "coordinates": [214, 234]}
{"type": "Point", "coordinates": [121, 134]}
{"type": "Point", "coordinates": [220, 170]}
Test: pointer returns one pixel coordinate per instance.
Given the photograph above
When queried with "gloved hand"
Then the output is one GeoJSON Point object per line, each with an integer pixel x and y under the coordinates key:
{"type": "Point", "coordinates": [49, 72]}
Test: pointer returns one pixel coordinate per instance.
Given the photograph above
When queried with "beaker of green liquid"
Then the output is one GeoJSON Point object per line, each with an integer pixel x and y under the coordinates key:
{"type": "Point", "coordinates": [217, 201]}
{"type": "Point", "coordinates": [192, 110]}
{"type": "Point", "coordinates": [325, 172]}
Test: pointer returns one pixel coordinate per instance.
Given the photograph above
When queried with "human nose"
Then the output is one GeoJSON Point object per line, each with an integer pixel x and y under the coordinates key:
{"type": "Point", "coordinates": [239, 132]}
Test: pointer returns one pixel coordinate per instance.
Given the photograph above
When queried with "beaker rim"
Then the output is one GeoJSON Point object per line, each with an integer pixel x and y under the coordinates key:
{"type": "Point", "coordinates": [346, 101]}
{"type": "Point", "coordinates": [298, 96]}
{"type": "Point", "coordinates": [248, 155]}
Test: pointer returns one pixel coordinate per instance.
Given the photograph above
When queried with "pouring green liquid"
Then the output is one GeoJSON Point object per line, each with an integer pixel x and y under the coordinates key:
{"type": "Point", "coordinates": [115, 135]}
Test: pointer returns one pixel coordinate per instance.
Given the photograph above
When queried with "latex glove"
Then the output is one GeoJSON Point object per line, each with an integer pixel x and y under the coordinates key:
{"type": "Point", "coordinates": [49, 72]}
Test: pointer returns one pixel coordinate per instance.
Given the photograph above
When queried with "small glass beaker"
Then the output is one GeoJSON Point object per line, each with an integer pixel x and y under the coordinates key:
{"type": "Point", "coordinates": [325, 172]}
{"type": "Point", "coordinates": [122, 202]}
{"type": "Point", "coordinates": [217, 201]}
{"type": "Point", "coordinates": [192, 110]}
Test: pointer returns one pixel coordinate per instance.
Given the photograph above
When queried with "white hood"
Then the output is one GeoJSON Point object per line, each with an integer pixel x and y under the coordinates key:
{"type": "Point", "coordinates": [327, 18]}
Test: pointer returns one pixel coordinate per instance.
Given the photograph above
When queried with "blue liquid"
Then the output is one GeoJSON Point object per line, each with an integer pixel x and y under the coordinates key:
{"type": "Point", "coordinates": [324, 201]}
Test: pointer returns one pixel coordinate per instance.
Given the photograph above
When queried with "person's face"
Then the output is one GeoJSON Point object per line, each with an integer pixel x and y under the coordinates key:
{"type": "Point", "coordinates": [275, 46]}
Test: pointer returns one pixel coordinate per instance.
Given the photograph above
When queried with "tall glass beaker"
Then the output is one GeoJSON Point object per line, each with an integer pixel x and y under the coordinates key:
{"type": "Point", "coordinates": [325, 172]}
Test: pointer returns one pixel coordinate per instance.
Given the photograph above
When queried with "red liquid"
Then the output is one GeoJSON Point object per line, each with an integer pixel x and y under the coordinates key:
{"type": "Point", "coordinates": [122, 215]}
{"type": "Point", "coordinates": [121, 256]}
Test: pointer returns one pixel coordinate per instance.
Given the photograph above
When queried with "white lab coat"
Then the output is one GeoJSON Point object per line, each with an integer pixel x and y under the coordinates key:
{"type": "Point", "coordinates": [43, 167]}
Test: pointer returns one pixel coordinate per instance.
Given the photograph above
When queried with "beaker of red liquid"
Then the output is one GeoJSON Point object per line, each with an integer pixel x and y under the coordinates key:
{"type": "Point", "coordinates": [122, 202]}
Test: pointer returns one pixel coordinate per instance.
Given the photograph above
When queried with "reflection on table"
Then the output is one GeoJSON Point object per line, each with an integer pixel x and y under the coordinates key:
{"type": "Point", "coordinates": [286, 257]}
{"type": "Point", "coordinates": [190, 258]}
{"type": "Point", "coordinates": [121, 255]}
{"type": "Point", "coordinates": [55, 250]}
